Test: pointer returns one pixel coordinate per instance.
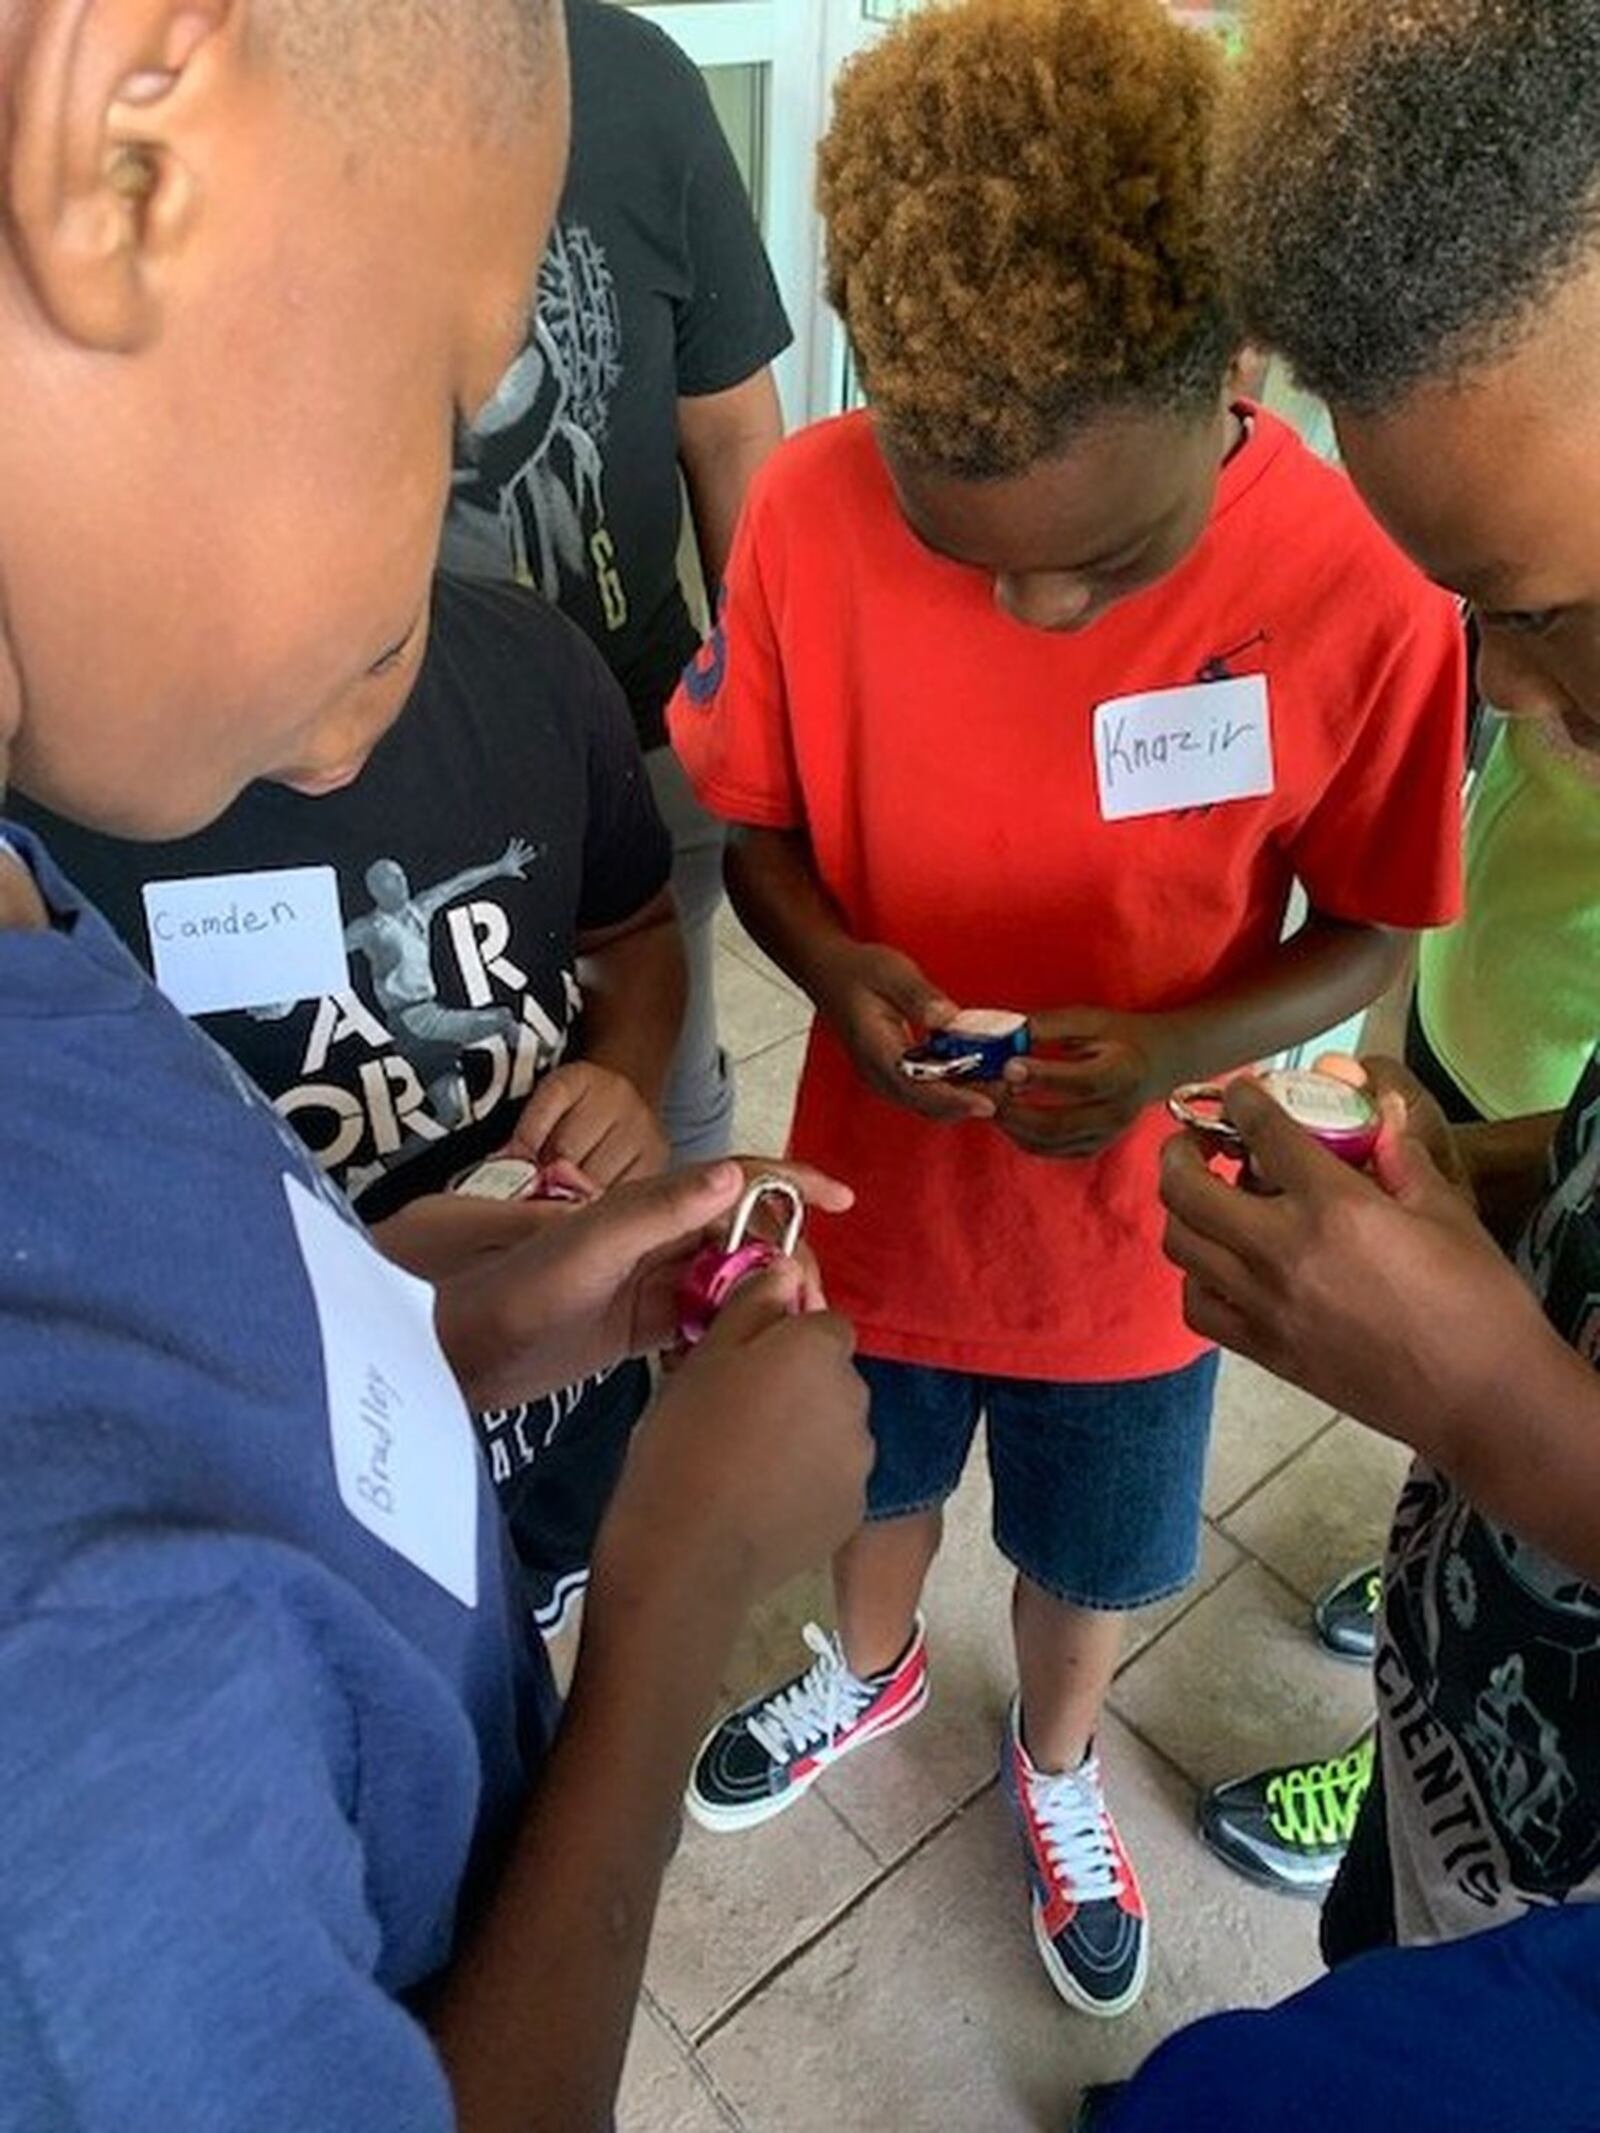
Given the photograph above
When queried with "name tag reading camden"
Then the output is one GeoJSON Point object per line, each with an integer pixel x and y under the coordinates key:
{"type": "Point", "coordinates": [404, 1454]}
{"type": "Point", "coordinates": [233, 941]}
{"type": "Point", "coordinates": [1180, 748]}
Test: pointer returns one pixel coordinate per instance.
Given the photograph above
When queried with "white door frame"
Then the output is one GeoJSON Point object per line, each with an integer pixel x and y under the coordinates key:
{"type": "Point", "coordinates": [802, 44]}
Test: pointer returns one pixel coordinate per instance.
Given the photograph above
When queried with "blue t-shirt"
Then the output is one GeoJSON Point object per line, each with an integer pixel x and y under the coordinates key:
{"type": "Point", "coordinates": [1490, 2034]}
{"type": "Point", "coordinates": [269, 1704]}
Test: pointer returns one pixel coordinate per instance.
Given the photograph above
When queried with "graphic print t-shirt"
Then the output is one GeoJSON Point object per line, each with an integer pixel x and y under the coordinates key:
{"type": "Point", "coordinates": [655, 287]}
{"type": "Point", "coordinates": [505, 813]}
{"type": "Point", "coordinates": [946, 765]}
{"type": "Point", "coordinates": [1488, 1665]}
{"type": "Point", "coordinates": [264, 1727]}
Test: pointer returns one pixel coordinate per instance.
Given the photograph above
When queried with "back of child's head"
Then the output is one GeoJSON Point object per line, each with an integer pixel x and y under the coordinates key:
{"type": "Point", "coordinates": [1015, 194]}
{"type": "Point", "coordinates": [1404, 185]}
{"type": "Point", "coordinates": [254, 261]}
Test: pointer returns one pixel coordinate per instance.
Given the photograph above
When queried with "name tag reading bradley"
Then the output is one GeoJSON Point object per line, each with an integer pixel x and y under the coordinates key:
{"type": "Point", "coordinates": [232, 941]}
{"type": "Point", "coordinates": [404, 1455]}
{"type": "Point", "coordinates": [1174, 749]}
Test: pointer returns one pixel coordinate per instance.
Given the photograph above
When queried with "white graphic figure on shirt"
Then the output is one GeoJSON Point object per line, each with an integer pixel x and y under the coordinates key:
{"type": "Point", "coordinates": [536, 452]}
{"type": "Point", "coordinates": [395, 938]}
{"type": "Point", "coordinates": [1529, 1783]}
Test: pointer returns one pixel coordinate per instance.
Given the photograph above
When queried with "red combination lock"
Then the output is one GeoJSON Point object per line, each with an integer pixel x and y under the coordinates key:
{"type": "Point", "coordinates": [719, 1269]}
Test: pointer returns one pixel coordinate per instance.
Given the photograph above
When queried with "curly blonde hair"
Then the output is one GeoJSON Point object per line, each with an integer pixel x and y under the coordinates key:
{"type": "Point", "coordinates": [1402, 185]}
{"type": "Point", "coordinates": [1017, 235]}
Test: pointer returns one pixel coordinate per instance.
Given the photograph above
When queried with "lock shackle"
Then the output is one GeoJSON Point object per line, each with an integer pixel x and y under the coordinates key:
{"type": "Point", "coordinates": [1198, 1105]}
{"type": "Point", "coordinates": [769, 1189]}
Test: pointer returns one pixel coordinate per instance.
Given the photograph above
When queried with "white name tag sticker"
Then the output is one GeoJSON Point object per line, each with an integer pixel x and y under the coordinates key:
{"type": "Point", "coordinates": [1180, 748]}
{"type": "Point", "coordinates": [231, 941]}
{"type": "Point", "coordinates": [404, 1453]}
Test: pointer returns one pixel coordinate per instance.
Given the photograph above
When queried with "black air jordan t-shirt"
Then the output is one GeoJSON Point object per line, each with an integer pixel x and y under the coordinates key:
{"type": "Point", "coordinates": [505, 814]}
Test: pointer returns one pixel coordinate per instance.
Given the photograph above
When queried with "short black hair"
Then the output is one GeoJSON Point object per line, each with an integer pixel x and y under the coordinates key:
{"type": "Point", "coordinates": [1404, 184]}
{"type": "Point", "coordinates": [381, 48]}
{"type": "Point", "coordinates": [1016, 194]}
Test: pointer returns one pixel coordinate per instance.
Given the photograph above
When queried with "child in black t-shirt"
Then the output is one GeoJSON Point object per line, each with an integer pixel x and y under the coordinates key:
{"type": "Point", "coordinates": [646, 379]}
{"type": "Point", "coordinates": [515, 976]}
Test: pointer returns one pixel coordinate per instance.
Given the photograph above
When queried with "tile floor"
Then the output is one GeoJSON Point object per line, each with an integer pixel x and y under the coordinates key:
{"type": "Point", "coordinates": [865, 1962]}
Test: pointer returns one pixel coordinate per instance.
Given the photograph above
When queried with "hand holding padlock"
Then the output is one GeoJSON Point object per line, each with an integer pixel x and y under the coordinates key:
{"type": "Point", "coordinates": [1339, 1116]}
{"type": "Point", "coordinates": [718, 1269]}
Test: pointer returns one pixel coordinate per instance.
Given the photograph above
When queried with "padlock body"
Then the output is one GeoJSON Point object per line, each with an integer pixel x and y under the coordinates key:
{"type": "Point", "coordinates": [712, 1278]}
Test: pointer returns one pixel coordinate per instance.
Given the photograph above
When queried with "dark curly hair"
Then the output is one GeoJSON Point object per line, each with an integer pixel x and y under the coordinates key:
{"type": "Point", "coordinates": [1017, 238]}
{"type": "Point", "coordinates": [1402, 184]}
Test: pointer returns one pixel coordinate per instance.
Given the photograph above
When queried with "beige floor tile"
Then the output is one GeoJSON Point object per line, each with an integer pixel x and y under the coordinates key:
{"type": "Point", "coordinates": [1260, 1422]}
{"type": "Point", "coordinates": [662, 2089]}
{"type": "Point", "coordinates": [1238, 1683]}
{"type": "Point", "coordinates": [736, 1905]}
{"type": "Point", "coordinates": [764, 1109]}
{"type": "Point", "coordinates": [926, 2009]}
{"type": "Point", "coordinates": [1328, 1511]}
{"type": "Point", "coordinates": [754, 1012]}
{"type": "Point", "coordinates": [732, 936]}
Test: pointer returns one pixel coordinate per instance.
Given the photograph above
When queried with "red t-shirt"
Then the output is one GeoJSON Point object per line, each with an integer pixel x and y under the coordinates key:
{"type": "Point", "coordinates": [943, 761]}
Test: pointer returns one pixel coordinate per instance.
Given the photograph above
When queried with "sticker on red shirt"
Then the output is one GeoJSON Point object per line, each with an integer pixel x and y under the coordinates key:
{"type": "Point", "coordinates": [1175, 749]}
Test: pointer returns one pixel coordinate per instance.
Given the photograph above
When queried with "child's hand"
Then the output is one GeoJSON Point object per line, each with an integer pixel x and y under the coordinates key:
{"type": "Point", "coordinates": [1422, 1119]}
{"type": "Point", "coordinates": [752, 1465]}
{"type": "Point", "coordinates": [595, 1118]}
{"type": "Point", "coordinates": [1073, 1106]}
{"type": "Point", "coordinates": [878, 1004]}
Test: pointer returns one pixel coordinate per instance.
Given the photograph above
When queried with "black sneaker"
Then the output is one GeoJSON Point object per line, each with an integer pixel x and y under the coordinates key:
{"type": "Point", "coordinates": [1288, 1828]}
{"type": "Point", "coordinates": [1089, 1920]}
{"type": "Point", "coordinates": [768, 1754]}
{"type": "Point", "coordinates": [1096, 2105]}
{"type": "Point", "coordinates": [1346, 1617]}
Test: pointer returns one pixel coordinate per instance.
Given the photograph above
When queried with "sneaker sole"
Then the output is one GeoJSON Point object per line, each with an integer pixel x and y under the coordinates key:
{"type": "Point", "coordinates": [1068, 1988]}
{"type": "Point", "coordinates": [1351, 1654]}
{"type": "Point", "coordinates": [1260, 1875]}
{"type": "Point", "coordinates": [724, 1821]}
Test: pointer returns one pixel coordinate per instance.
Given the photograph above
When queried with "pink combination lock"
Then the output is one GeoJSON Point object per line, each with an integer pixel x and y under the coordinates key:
{"type": "Point", "coordinates": [720, 1268]}
{"type": "Point", "coordinates": [1339, 1116]}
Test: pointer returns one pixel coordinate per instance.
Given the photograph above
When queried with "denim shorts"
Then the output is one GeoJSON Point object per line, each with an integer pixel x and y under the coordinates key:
{"type": "Point", "coordinates": [1097, 1488]}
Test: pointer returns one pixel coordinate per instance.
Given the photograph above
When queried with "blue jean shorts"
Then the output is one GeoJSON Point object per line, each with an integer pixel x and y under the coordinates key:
{"type": "Point", "coordinates": [1097, 1488]}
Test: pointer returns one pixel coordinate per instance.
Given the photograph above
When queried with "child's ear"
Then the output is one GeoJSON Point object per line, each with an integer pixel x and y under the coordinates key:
{"type": "Point", "coordinates": [106, 96]}
{"type": "Point", "coordinates": [1247, 374]}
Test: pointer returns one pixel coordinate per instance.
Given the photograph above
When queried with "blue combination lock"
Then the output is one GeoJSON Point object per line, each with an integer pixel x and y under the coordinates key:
{"type": "Point", "coordinates": [974, 1047]}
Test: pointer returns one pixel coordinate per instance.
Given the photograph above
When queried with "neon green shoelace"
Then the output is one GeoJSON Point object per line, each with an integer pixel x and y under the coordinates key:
{"type": "Point", "coordinates": [1314, 1805]}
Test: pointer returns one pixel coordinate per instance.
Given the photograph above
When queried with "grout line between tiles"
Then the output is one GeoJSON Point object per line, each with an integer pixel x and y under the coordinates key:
{"type": "Point", "coordinates": [768, 969]}
{"type": "Point", "coordinates": [744, 1059]}
{"type": "Point", "coordinates": [712, 2029]}
{"type": "Point", "coordinates": [722, 2104]}
{"type": "Point", "coordinates": [1237, 1503]}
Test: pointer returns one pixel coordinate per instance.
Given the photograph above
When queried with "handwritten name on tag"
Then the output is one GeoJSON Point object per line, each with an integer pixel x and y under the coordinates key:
{"type": "Point", "coordinates": [230, 941]}
{"type": "Point", "coordinates": [1180, 748]}
{"type": "Point", "coordinates": [404, 1455]}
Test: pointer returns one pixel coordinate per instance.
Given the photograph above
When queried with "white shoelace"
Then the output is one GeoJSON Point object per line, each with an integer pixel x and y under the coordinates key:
{"type": "Point", "coordinates": [813, 1711]}
{"type": "Point", "coordinates": [1075, 1827]}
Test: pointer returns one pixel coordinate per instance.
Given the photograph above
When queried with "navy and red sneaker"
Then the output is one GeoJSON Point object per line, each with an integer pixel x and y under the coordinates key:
{"type": "Point", "coordinates": [1088, 1915]}
{"type": "Point", "coordinates": [771, 1751]}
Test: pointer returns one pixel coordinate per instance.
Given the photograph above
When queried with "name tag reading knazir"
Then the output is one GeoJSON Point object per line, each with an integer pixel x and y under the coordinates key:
{"type": "Point", "coordinates": [1174, 749]}
{"type": "Point", "coordinates": [231, 941]}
